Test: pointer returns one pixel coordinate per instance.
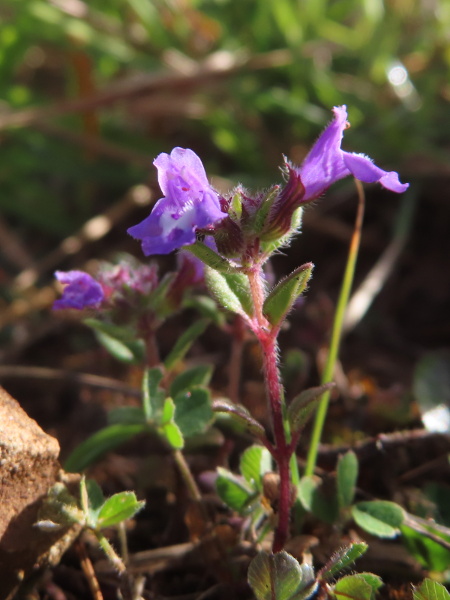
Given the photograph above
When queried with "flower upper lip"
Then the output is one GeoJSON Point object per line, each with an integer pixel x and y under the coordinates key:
{"type": "Point", "coordinates": [327, 162]}
{"type": "Point", "coordinates": [189, 203]}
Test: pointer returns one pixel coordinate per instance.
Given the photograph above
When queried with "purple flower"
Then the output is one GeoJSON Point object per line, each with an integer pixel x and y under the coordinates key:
{"type": "Point", "coordinates": [189, 203]}
{"type": "Point", "coordinates": [327, 163]}
{"type": "Point", "coordinates": [81, 290]}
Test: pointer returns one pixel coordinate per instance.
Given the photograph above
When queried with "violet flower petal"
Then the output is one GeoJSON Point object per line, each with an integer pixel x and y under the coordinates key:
{"type": "Point", "coordinates": [189, 203]}
{"type": "Point", "coordinates": [80, 292]}
{"type": "Point", "coordinates": [327, 163]}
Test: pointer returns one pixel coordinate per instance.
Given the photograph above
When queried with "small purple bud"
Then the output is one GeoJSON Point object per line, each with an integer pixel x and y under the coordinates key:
{"type": "Point", "coordinates": [81, 291]}
{"type": "Point", "coordinates": [290, 197]}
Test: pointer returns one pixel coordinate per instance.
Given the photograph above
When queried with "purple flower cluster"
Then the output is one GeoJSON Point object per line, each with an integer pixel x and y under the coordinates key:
{"type": "Point", "coordinates": [80, 291]}
{"type": "Point", "coordinates": [190, 203]}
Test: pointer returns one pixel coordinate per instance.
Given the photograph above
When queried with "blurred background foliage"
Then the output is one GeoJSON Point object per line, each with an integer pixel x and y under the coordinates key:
{"type": "Point", "coordinates": [93, 91]}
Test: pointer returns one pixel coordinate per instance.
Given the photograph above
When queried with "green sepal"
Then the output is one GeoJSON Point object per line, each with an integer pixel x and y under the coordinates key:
{"type": "Point", "coordinates": [283, 296]}
{"type": "Point", "coordinates": [118, 341]}
{"type": "Point", "coordinates": [379, 517]}
{"type": "Point", "coordinates": [301, 408]}
{"type": "Point", "coordinates": [270, 247]}
{"type": "Point", "coordinates": [262, 213]}
{"type": "Point", "coordinates": [210, 258]}
{"type": "Point", "coordinates": [184, 342]}
{"type": "Point", "coordinates": [235, 209]}
{"type": "Point", "coordinates": [231, 290]}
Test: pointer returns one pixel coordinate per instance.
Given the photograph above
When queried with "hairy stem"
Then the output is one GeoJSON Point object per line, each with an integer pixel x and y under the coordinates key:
{"type": "Point", "coordinates": [110, 552]}
{"type": "Point", "coordinates": [237, 349]}
{"type": "Point", "coordinates": [282, 452]}
{"type": "Point", "coordinates": [282, 449]}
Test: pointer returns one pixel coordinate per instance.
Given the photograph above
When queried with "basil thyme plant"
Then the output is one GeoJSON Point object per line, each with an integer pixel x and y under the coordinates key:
{"type": "Point", "coordinates": [225, 241]}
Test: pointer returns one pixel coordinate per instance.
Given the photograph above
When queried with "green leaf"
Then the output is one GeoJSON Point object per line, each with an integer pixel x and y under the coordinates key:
{"type": "Point", "coordinates": [157, 298]}
{"type": "Point", "coordinates": [200, 375]}
{"type": "Point", "coordinates": [118, 508]}
{"type": "Point", "coordinates": [61, 508]}
{"type": "Point", "coordinates": [430, 590]}
{"type": "Point", "coordinates": [240, 415]}
{"type": "Point", "coordinates": [168, 428]}
{"type": "Point", "coordinates": [173, 435]}
{"type": "Point", "coordinates": [280, 577]}
{"type": "Point", "coordinates": [184, 342]}
{"type": "Point", "coordinates": [168, 411]}
{"type": "Point", "coordinates": [126, 415]}
{"type": "Point", "coordinates": [343, 558]}
{"type": "Point", "coordinates": [152, 396]}
{"type": "Point", "coordinates": [302, 406]}
{"type": "Point", "coordinates": [373, 580]}
{"type": "Point", "coordinates": [99, 444]}
{"type": "Point", "coordinates": [193, 412]}
{"type": "Point", "coordinates": [347, 474]}
{"type": "Point", "coordinates": [95, 501]}
{"type": "Point", "coordinates": [429, 553]}
{"type": "Point", "coordinates": [283, 296]}
{"type": "Point", "coordinates": [210, 258]}
{"type": "Point", "coordinates": [234, 491]}
{"type": "Point", "coordinates": [353, 587]}
{"type": "Point", "coordinates": [380, 517]}
{"type": "Point", "coordinates": [231, 291]}
{"type": "Point", "coordinates": [238, 283]}
{"type": "Point", "coordinates": [207, 307]}
{"type": "Point", "coordinates": [118, 341]}
{"type": "Point", "coordinates": [311, 494]}
{"type": "Point", "coordinates": [255, 461]}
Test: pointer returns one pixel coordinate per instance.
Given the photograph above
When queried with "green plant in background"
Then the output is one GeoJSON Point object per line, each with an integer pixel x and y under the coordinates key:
{"type": "Point", "coordinates": [285, 59]}
{"type": "Point", "coordinates": [246, 70]}
{"type": "Point", "coordinates": [233, 237]}
{"type": "Point", "coordinates": [90, 511]}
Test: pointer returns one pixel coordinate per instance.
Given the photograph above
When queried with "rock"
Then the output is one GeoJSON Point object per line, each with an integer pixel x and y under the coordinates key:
{"type": "Point", "coordinates": [28, 468]}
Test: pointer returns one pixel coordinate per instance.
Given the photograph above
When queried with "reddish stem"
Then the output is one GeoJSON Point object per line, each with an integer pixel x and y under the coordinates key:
{"type": "Point", "coordinates": [282, 452]}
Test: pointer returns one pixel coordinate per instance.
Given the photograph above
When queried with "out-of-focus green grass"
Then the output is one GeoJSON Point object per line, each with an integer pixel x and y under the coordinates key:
{"type": "Point", "coordinates": [388, 61]}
